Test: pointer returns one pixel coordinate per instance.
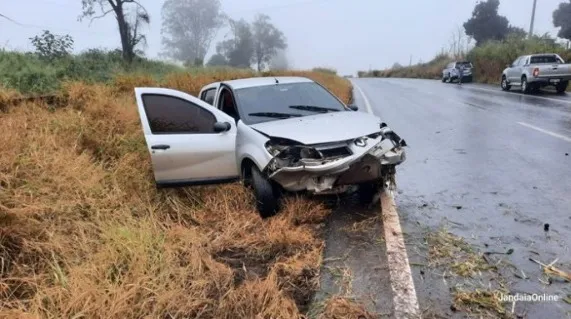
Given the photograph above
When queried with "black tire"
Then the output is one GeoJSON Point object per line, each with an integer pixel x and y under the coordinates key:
{"type": "Point", "coordinates": [524, 85]}
{"type": "Point", "coordinates": [246, 176]}
{"type": "Point", "coordinates": [504, 84]}
{"type": "Point", "coordinates": [448, 79]}
{"type": "Point", "coordinates": [367, 192]}
{"type": "Point", "coordinates": [561, 87]}
{"type": "Point", "coordinates": [266, 195]}
{"type": "Point", "coordinates": [443, 79]}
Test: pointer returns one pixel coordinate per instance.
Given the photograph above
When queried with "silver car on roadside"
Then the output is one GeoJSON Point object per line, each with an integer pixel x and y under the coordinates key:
{"type": "Point", "coordinates": [274, 134]}
{"type": "Point", "coordinates": [534, 71]}
{"type": "Point", "coordinates": [451, 72]}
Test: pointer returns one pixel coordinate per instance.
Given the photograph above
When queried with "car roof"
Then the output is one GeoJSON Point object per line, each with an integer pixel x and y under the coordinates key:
{"type": "Point", "coordinates": [262, 81]}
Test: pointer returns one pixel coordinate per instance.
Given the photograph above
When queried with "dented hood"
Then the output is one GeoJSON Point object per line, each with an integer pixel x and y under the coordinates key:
{"type": "Point", "coordinates": [322, 128]}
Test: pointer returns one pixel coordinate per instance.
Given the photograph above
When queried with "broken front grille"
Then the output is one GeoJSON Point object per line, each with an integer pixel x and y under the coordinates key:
{"type": "Point", "coordinates": [335, 152]}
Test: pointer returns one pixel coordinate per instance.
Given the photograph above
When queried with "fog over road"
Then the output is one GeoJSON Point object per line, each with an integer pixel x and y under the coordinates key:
{"type": "Point", "coordinates": [493, 166]}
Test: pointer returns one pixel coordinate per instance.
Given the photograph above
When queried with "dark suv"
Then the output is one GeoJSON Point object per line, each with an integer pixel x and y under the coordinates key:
{"type": "Point", "coordinates": [450, 73]}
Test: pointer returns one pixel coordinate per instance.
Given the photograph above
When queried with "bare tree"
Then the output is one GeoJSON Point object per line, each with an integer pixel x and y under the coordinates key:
{"type": "Point", "coordinates": [460, 43]}
{"type": "Point", "coordinates": [129, 28]}
{"type": "Point", "coordinates": [189, 27]}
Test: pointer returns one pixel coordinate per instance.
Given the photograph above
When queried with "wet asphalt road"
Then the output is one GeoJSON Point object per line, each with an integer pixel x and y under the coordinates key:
{"type": "Point", "coordinates": [489, 165]}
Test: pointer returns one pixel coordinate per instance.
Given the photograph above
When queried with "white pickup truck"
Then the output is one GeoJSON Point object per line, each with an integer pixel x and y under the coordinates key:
{"type": "Point", "coordinates": [532, 72]}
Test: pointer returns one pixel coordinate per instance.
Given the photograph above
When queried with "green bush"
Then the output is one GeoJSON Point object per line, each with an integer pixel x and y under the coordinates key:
{"type": "Point", "coordinates": [491, 58]}
{"type": "Point", "coordinates": [428, 70]}
{"type": "Point", "coordinates": [28, 73]}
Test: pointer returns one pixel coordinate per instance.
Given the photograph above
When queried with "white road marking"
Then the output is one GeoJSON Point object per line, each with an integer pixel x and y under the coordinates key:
{"type": "Point", "coordinates": [539, 129]}
{"type": "Point", "coordinates": [404, 293]}
{"type": "Point", "coordinates": [405, 301]}
{"type": "Point", "coordinates": [367, 104]}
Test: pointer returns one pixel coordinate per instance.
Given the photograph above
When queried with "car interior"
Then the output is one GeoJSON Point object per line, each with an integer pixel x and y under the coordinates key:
{"type": "Point", "coordinates": [227, 105]}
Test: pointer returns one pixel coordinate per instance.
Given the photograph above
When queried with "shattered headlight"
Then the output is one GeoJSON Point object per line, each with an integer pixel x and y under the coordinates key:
{"type": "Point", "coordinates": [274, 149]}
{"type": "Point", "coordinates": [294, 151]}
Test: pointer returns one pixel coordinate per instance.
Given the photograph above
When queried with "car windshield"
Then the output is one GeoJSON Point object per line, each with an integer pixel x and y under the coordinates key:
{"type": "Point", "coordinates": [544, 59]}
{"type": "Point", "coordinates": [280, 101]}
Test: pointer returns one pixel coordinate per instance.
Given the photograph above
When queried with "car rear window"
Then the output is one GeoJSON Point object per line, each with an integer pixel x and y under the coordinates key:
{"type": "Point", "coordinates": [544, 59]}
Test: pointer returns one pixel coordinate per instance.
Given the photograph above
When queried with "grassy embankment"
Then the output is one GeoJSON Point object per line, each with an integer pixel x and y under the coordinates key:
{"type": "Point", "coordinates": [489, 60]}
{"type": "Point", "coordinates": [85, 234]}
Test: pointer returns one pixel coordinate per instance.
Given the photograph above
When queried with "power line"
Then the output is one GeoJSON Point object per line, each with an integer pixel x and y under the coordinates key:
{"type": "Point", "coordinates": [11, 20]}
{"type": "Point", "coordinates": [259, 9]}
{"type": "Point", "coordinates": [44, 27]}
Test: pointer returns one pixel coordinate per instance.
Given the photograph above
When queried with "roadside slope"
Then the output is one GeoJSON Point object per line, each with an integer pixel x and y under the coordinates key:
{"type": "Point", "coordinates": [84, 232]}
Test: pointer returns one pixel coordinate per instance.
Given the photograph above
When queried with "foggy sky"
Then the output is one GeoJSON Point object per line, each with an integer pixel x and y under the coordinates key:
{"type": "Point", "coordinates": [348, 35]}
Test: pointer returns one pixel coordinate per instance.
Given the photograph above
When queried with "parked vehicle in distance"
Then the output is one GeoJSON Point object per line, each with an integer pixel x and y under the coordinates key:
{"type": "Point", "coordinates": [532, 72]}
{"type": "Point", "coordinates": [451, 73]}
{"type": "Point", "coordinates": [274, 134]}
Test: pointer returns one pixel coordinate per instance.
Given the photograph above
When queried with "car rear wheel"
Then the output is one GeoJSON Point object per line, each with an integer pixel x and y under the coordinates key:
{"type": "Point", "coordinates": [266, 195]}
{"type": "Point", "coordinates": [524, 85]}
{"type": "Point", "coordinates": [561, 87]}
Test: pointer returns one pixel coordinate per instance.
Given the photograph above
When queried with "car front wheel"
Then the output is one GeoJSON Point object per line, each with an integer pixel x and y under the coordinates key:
{"type": "Point", "coordinates": [505, 85]}
{"type": "Point", "coordinates": [266, 195]}
{"type": "Point", "coordinates": [367, 191]}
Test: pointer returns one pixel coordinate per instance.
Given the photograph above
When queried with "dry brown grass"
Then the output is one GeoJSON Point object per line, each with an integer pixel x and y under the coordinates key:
{"type": "Point", "coordinates": [480, 303]}
{"type": "Point", "coordinates": [344, 308]}
{"type": "Point", "coordinates": [85, 234]}
{"type": "Point", "coordinates": [454, 252]}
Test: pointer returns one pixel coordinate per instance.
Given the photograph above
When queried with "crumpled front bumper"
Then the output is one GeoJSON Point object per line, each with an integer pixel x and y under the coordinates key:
{"type": "Point", "coordinates": [364, 165]}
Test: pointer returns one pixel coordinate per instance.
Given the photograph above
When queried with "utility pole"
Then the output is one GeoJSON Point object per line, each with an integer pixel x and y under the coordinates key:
{"type": "Point", "coordinates": [532, 19]}
{"type": "Point", "coordinates": [410, 61]}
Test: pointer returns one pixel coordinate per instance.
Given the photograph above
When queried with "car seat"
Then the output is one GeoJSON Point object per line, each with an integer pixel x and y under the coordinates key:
{"type": "Point", "coordinates": [228, 106]}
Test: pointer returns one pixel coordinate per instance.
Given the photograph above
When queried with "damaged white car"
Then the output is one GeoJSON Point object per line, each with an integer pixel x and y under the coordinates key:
{"type": "Point", "coordinates": [273, 133]}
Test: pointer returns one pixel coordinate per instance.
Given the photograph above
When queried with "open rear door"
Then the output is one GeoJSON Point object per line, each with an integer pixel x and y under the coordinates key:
{"type": "Point", "coordinates": [190, 141]}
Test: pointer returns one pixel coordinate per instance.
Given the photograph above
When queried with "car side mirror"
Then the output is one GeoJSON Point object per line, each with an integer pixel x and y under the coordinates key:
{"type": "Point", "coordinates": [221, 127]}
{"type": "Point", "coordinates": [353, 107]}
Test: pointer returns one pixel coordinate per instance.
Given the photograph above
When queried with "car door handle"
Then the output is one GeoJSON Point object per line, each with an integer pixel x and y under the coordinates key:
{"type": "Point", "coordinates": [160, 147]}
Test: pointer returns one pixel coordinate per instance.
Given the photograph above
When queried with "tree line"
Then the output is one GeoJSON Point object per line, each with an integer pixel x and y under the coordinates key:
{"type": "Point", "coordinates": [486, 24]}
{"type": "Point", "coordinates": [188, 29]}
{"type": "Point", "coordinates": [190, 25]}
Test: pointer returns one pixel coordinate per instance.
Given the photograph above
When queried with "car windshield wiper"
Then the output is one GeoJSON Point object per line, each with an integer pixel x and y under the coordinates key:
{"type": "Point", "coordinates": [275, 114]}
{"type": "Point", "coordinates": [313, 108]}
